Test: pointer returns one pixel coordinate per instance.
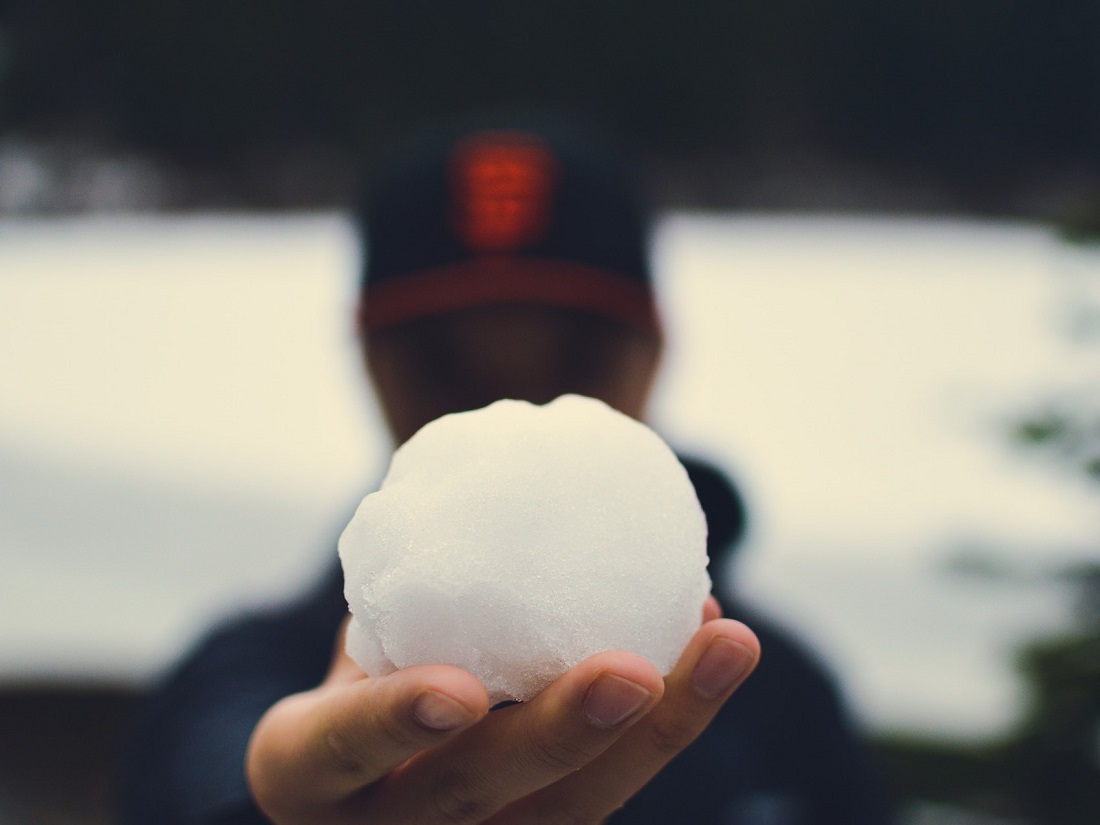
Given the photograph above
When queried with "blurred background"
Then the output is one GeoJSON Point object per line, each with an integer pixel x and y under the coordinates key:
{"type": "Point", "coordinates": [879, 247]}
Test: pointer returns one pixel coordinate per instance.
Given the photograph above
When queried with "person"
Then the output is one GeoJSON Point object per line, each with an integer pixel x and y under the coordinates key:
{"type": "Point", "coordinates": [502, 262]}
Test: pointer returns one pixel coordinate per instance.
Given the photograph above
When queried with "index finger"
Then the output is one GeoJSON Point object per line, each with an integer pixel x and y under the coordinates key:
{"type": "Point", "coordinates": [320, 747]}
{"type": "Point", "coordinates": [521, 749]}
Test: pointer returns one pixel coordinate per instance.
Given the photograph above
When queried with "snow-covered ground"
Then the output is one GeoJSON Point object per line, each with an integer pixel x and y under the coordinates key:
{"type": "Point", "coordinates": [183, 431]}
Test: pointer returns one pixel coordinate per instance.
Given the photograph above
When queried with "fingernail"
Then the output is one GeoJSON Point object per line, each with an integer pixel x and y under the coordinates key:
{"type": "Point", "coordinates": [440, 712]}
{"type": "Point", "coordinates": [611, 700]}
{"type": "Point", "coordinates": [720, 667]}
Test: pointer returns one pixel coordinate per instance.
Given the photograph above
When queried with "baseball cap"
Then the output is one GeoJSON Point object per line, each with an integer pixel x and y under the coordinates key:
{"type": "Point", "coordinates": [506, 216]}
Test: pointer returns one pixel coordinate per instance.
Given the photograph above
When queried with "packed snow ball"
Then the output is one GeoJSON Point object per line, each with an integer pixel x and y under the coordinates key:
{"type": "Point", "coordinates": [517, 540]}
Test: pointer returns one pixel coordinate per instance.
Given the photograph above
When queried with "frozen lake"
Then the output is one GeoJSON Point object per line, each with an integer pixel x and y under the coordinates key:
{"type": "Point", "coordinates": [184, 430]}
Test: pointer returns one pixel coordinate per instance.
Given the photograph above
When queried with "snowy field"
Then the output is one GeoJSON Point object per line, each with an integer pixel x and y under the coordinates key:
{"type": "Point", "coordinates": [183, 432]}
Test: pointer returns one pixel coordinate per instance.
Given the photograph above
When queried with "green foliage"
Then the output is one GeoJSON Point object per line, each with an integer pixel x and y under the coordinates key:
{"type": "Point", "coordinates": [1069, 435]}
{"type": "Point", "coordinates": [963, 776]}
{"type": "Point", "coordinates": [1056, 754]}
{"type": "Point", "coordinates": [1081, 223]}
{"type": "Point", "coordinates": [1045, 769]}
{"type": "Point", "coordinates": [1047, 428]}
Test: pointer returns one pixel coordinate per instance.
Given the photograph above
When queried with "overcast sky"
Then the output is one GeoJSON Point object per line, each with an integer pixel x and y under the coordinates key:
{"type": "Point", "coordinates": [855, 375]}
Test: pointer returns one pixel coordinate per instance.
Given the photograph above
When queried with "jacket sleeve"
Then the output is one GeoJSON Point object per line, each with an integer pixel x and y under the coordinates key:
{"type": "Point", "coordinates": [184, 761]}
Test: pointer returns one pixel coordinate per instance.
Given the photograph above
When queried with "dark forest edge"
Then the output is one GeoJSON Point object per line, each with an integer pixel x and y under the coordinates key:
{"type": "Point", "coordinates": [988, 107]}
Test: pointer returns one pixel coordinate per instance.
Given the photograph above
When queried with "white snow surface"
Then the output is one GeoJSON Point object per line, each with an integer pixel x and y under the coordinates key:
{"type": "Point", "coordinates": [517, 540]}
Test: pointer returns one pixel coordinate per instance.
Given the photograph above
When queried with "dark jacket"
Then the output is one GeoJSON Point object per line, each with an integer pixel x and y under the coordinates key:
{"type": "Point", "coordinates": [780, 752]}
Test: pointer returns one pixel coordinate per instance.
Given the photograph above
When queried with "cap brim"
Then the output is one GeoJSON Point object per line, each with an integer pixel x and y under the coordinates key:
{"type": "Point", "coordinates": [506, 279]}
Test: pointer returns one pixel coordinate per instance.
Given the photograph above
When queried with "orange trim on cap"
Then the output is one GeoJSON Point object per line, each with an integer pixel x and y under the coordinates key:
{"type": "Point", "coordinates": [508, 280]}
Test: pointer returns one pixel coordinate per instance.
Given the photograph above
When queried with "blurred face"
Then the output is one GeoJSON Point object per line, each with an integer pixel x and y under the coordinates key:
{"type": "Point", "coordinates": [466, 360]}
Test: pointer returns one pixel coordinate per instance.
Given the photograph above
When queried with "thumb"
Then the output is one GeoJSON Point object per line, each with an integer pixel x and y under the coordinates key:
{"type": "Point", "coordinates": [342, 669]}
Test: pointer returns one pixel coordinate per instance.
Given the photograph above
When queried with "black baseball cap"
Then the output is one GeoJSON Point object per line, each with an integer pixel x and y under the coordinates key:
{"type": "Point", "coordinates": [506, 215]}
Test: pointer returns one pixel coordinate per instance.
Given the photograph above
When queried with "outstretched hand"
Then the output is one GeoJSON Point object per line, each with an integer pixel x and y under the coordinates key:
{"type": "Point", "coordinates": [420, 746]}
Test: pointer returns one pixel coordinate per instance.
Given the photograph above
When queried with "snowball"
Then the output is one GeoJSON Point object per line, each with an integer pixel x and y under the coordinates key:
{"type": "Point", "coordinates": [516, 540]}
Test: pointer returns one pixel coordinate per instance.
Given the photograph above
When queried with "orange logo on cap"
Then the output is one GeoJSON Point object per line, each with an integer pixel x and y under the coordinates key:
{"type": "Point", "coordinates": [503, 185]}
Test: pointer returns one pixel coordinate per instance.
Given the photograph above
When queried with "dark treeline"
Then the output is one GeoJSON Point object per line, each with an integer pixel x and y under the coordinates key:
{"type": "Point", "coordinates": [991, 105]}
